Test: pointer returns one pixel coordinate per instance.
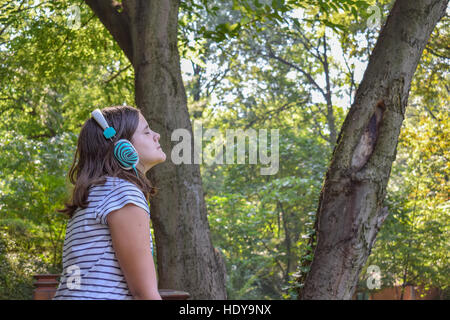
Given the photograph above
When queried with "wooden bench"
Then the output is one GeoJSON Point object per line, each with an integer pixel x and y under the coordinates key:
{"type": "Point", "coordinates": [46, 285]}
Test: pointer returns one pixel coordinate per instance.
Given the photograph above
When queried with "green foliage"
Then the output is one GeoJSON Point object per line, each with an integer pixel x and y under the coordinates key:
{"type": "Point", "coordinates": [52, 77]}
{"type": "Point", "coordinates": [259, 222]}
{"type": "Point", "coordinates": [413, 246]}
{"type": "Point", "coordinates": [21, 245]}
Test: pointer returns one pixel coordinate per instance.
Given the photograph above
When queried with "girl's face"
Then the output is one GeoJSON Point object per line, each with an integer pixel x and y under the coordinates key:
{"type": "Point", "coordinates": [146, 142]}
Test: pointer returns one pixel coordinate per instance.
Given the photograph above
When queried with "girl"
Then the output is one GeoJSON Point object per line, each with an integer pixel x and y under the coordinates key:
{"type": "Point", "coordinates": [107, 251]}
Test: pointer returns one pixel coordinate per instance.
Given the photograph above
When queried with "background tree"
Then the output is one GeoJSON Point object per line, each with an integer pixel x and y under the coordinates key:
{"type": "Point", "coordinates": [351, 210]}
{"type": "Point", "coordinates": [418, 193]}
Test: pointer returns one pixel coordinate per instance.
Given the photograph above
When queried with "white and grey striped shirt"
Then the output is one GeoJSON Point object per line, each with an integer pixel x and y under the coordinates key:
{"type": "Point", "coordinates": [90, 266]}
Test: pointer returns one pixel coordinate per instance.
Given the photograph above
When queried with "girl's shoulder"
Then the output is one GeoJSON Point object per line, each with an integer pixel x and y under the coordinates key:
{"type": "Point", "coordinates": [112, 183]}
{"type": "Point", "coordinates": [114, 187]}
{"type": "Point", "coordinates": [114, 194]}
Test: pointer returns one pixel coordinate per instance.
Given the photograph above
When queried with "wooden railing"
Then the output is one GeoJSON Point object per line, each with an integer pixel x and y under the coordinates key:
{"type": "Point", "coordinates": [46, 285]}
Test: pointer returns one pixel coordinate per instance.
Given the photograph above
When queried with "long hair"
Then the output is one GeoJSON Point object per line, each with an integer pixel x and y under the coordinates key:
{"type": "Point", "coordinates": [94, 157]}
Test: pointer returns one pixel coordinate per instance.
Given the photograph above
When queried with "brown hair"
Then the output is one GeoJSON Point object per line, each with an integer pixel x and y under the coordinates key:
{"type": "Point", "coordinates": [94, 157]}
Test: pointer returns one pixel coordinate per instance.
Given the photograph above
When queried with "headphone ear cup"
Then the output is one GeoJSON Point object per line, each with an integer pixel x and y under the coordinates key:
{"type": "Point", "coordinates": [126, 154]}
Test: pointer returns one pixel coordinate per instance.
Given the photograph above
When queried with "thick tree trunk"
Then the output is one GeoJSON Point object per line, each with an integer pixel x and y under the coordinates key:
{"type": "Point", "coordinates": [350, 210]}
{"type": "Point", "coordinates": [147, 32]}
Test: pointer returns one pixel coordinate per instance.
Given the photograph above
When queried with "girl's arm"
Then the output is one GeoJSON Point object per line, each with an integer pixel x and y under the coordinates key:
{"type": "Point", "coordinates": [130, 233]}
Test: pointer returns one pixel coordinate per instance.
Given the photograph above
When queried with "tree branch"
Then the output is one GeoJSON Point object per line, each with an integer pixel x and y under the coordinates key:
{"type": "Point", "coordinates": [115, 22]}
{"type": "Point", "coordinates": [211, 85]}
{"type": "Point", "coordinates": [267, 114]}
{"type": "Point", "coordinates": [69, 33]}
{"type": "Point", "coordinates": [117, 74]}
{"type": "Point", "coordinates": [431, 113]}
{"type": "Point", "coordinates": [306, 74]}
{"type": "Point", "coordinates": [433, 52]}
{"type": "Point", "coordinates": [274, 254]}
{"type": "Point", "coordinates": [352, 78]}
{"type": "Point", "coordinates": [317, 126]}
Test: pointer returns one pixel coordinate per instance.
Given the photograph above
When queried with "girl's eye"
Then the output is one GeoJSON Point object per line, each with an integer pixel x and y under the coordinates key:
{"type": "Point", "coordinates": [147, 133]}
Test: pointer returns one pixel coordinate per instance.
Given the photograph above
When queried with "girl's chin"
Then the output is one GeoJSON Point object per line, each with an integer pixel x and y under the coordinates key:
{"type": "Point", "coordinates": [163, 155]}
{"type": "Point", "coordinates": [161, 159]}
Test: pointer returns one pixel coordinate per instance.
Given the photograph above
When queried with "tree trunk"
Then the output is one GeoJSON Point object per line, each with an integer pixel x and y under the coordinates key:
{"type": "Point", "coordinates": [350, 210]}
{"type": "Point", "coordinates": [147, 33]}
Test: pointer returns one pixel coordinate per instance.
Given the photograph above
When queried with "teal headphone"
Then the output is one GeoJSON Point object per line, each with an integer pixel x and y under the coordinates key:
{"type": "Point", "coordinates": [124, 151]}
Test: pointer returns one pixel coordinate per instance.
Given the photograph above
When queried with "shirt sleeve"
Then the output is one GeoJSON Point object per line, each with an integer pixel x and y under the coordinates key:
{"type": "Point", "coordinates": [121, 195]}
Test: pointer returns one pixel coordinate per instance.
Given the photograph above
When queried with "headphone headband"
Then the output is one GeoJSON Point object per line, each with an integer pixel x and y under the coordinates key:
{"type": "Point", "coordinates": [108, 131]}
{"type": "Point", "coordinates": [124, 151]}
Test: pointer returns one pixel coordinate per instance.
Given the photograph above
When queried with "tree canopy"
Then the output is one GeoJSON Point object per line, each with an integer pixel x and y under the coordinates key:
{"type": "Point", "coordinates": [291, 65]}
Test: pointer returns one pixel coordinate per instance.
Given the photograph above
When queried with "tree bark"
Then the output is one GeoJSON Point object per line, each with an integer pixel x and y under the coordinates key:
{"type": "Point", "coordinates": [147, 33]}
{"type": "Point", "coordinates": [350, 210]}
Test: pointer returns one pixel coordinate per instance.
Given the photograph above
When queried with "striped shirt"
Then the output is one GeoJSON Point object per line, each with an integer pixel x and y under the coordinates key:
{"type": "Point", "coordinates": [90, 267]}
